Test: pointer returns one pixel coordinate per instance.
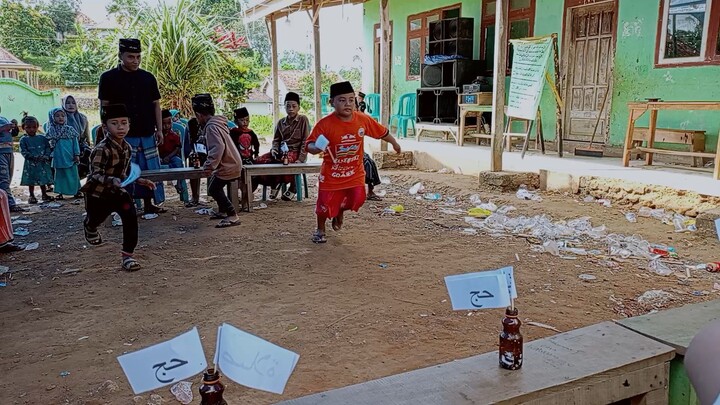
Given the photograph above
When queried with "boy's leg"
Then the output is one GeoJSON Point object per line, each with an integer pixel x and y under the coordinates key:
{"type": "Point", "coordinates": [31, 190]}
{"type": "Point", "coordinates": [216, 189]}
{"type": "Point", "coordinates": [97, 209]}
{"type": "Point", "coordinates": [126, 209]}
{"type": "Point", "coordinates": [195, 190]}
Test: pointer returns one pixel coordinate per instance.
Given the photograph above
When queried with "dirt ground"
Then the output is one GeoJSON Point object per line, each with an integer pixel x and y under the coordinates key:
{"type": "Point", "coordinates": [370, 303]}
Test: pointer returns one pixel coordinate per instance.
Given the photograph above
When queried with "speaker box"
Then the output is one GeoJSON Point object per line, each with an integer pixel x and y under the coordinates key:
{"type": "Point", "coordinates": [437, 30]}
{"type": "Point", "coordinates": [432, 75]}
{"type": "Point", "coordinates": [458, 28]}
{"type": "Point", "coordinates": [437, 105]}
{"type": "Point", "coordinates": [456, 73]}
{"type": "Point", "coordinates": [447, 107]}
{"type": "Point", "coordinates": [460, 47]}
{"type": "Point", "coordinates": [426, 109]}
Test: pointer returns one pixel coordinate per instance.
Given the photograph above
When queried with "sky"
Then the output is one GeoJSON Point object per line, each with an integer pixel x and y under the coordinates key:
{"type": "Point", "coordinates": [295, 32]}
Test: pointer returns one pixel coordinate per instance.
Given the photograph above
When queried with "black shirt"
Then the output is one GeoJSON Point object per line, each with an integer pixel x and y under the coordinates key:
{"type": "Point", "coordinates": [137, 90]}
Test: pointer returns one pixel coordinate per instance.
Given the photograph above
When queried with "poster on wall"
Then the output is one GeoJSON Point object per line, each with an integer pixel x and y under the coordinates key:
{"type": "Point", "coordinates": [530, 61]}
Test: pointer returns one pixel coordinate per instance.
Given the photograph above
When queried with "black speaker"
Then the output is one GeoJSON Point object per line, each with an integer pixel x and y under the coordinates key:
{"type": "Point", "coordinates": [426, 109]}
{"type": "Point", "coordinates": [437, 105]}
{"type": "Point", "coordinates": [432, 75]}
{"type": "Point", "coordinates": [460, 47]}
{"type": "Point", "coordinates": [458, 28]}
{"type": "Point", "coordinates": [447, 107]}
{"type": "Point", "coordinates": [436, 30]}
{"type": "Point", "coordinates": [456, 73]}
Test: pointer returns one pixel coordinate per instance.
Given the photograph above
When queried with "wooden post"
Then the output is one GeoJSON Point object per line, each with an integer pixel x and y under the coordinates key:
{"type": "Point", "coordinates": [275, 71]}
{"type": "Point", "coordinates": [385, 89]}
{"type": "Point", "coordinates": [499, 67]}
{"type": "Point", "coordinates": [316, 59]}
{"type": "Point", "coordinates": [558, 108]}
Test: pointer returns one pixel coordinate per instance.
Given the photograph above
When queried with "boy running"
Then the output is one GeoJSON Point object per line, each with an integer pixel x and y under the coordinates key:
{"type": "Point", "coordinates": [342, 176]}
{"type": "Point", "coordinates": [104, 194]}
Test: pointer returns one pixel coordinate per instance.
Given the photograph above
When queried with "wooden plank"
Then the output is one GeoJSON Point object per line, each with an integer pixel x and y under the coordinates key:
{"type": "Point", "coordinates": [675, 327]}
{"type": "Point", "coordinates": [676, 105]}
{"type": "Point", "coordinates": [563, 362]}
{"type": "Point", "coordinates": [181, 173]}
{"type": "Point", "coordinates": [651, 136]}
{"type": "Point", "coordinates": [499, 67]}
{"type": "Point", "coordinates": [279, 169]}
{"type": "Point", "coordinates": [275, 68]}
{"type": "Point", "coordinates": [716, 171]}
{"type": "Point", "coordinates": [670, 135]}
{"type": "Point", "coordinates": [316, 59]}
{"type": "Point", "coordinates": [385, 69]}
{"type": "Point", "coordinates": [674, 152]}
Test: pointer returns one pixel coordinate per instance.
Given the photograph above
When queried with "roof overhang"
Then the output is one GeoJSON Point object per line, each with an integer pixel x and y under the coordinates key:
{"type": "Point", "coordinates": [19, 67]}
{"type": "Point", "coordinates": [259, 9]}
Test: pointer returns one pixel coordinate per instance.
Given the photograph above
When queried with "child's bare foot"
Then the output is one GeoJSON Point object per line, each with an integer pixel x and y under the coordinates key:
{"type": "Point", "coordinates": [337, 222]}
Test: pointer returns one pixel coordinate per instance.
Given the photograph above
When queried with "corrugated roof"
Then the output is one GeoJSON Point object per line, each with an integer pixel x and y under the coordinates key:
{"type": "Point", "coordinates": [7, 59]}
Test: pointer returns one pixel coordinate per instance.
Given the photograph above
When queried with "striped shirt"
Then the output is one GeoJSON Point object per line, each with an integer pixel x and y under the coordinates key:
{"type": "Point", "coordinates": [108, 161]}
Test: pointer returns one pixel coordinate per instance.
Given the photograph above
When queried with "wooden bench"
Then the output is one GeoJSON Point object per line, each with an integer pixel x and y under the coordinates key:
{"type": "Point", "coordinates": [598, 364]}
{"type": "Point", "coordinates": [275, 169]}
{"type": "Point", "coordinates": [693, 138]}
{"type": "Point", "coordinates": [676, 327]}
{"type": "Point", "coordinates": [187, 173]}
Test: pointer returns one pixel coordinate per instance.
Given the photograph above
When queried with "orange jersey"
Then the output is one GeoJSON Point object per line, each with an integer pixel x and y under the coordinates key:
{"type": "Point", "coordinates": [342, 166]}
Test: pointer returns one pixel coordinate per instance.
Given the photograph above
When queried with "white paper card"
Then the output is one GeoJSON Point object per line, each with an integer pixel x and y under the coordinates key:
{"type": "Point", "coordinates": [480, 290]}
{"type": "Point", "coordinates": [322, 142]}
{"type": "Point", "coordinates": [200, 148]}
{"type": "Point", "coordinates": [164, 363]}
{"type": "Point", "coordinates": [254, 362]}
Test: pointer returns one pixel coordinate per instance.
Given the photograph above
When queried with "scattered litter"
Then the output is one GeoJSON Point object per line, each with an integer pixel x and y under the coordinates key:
{"type": "Point", "coordinates": [479, 212]}
{"type": "Point", "coordinates": [394, 209]}
{"type": "Point", "coordinates": [451, 212]}
{"type": "Point", "coordinates": [182, 392]}
{"type": "Point", "coordinates": [33, 209]}
{"type": "Point", "coordinates": [444, 170]}
{"type": "Point", "coordinates": [517, 257]}
{"type": "Point", "coordinates": [383, 265]}
{"type": "Point", "coordinates": [659, 268]}
{"type": "Point", "coordinates": [524, 194]}
{"type": "Point", "coordinates": [551, 247]}
{"type": "Point", "coordinates": [32, 246]}
{"type": "Point", "coordinates": [292, 328]}
{"type": "Point", "coordinates": [116, 220]}
{"type": "Point", "coordinates": [716, 286]}
{"type": "Point", "coordinates": [655, 297]}
{"type": "Point", "coordinates": [589, 199]}
{"type": "Point", "coordinates": [587, 277]}
{"type": "Point", "coordinates": [385, 180]}
{"type": "Point", "coordinates": [699, 293]}
{"type": "Point", "coordinates": [605, 203]}
{"type": "Point", "coordinates": [475, 199]}
{"type": "Point", "coordinates": [504, 210]}
{"type": "Point", "coordinates": [262, 206]}
{"type": "Point", "coordinates": [64, 373]}
{"type": "Point", "coordinates": [21, 232]}
{"type": "Point", "coordinates": [713, 267]}
{"type": "Point", "coordinates": [417, 188]}
{"type": "Point", "coordinates": [631, 217]}
{"type": "Point", "coordinates": [683, 223]}
{"type": "Point", "coordinates": [381, 193]}
{"type": "Point", "coordinates": [645, 212]}
{"type": "Point", "coordinates": [54, 205]}
{"type": "Point", "coordinates": [204, 211]}
{"type": "Point", "coordinates": [150, 216]}
{"type": "Point", "coordinates": [71, 271]}
{"type": "Point", "coordinates": [458, 170]}
{"type": "Point", "coordinates": [433, 196]}
{"type": "Point", "coordinates": [490, 206]}
{"type": "Point", "coordinates": [84, 338]}
{"type": "Point", "coordinates": [544, 326]}
{"type": "Point", "coordinates": [22, 221]}
{"type": "Point", "coordinates": [663, 251]}
{"type": "Point", "coordinates": [469, 232]}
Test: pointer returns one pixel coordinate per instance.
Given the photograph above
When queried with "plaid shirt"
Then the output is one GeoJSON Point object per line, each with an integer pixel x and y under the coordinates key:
{"type": "Point", "coordinates": [109, 160]}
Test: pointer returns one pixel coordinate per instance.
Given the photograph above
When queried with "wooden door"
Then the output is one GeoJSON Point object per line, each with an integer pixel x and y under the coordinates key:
{"type": "Point", "coordinates": [591, 50]}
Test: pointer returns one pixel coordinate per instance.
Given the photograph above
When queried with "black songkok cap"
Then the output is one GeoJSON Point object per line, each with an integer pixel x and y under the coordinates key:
{"type": "Point", "coordinates": [114, 111]}
{"type": "Point", "coordinates": [241, 113]}
{"type": "Point", "coordinates": [292, 97]}
{"type": "Point", "coordinates": [202, 102]}
{"type": "Point", "coordinates": [166, 114]}
{"type": "Point", "coordinates": [361, 94]}
{"type": "Point", "coordinates": [341, 88]}
{"type": "Point", "coordinates": [130, 45]}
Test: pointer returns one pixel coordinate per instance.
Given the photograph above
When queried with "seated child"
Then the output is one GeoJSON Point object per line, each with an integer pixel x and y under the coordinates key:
{"type": "Point", "coordinates": [35, 149]}
{"type": "Point", "coordinates": [245, 138]}
{"type": "Point", "coordinates": [104, 193]}
{"type": "Point", "coordinates": [170, 149]}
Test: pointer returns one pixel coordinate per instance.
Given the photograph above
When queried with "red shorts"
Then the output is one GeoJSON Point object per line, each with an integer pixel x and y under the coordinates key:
{"type": "Point", "coordinates": [330, 203]}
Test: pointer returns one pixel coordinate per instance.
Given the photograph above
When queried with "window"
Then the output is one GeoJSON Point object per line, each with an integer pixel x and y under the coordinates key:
{"type": "Point", "coordinates": [688, 33]}
{"type": "Point", "coordinates": [521, 22]}
{"type": "Point", "coordinates": [418, 29]}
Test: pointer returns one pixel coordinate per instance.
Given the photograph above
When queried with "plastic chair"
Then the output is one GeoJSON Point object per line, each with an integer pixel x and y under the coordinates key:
{"type": "Point", "coordinates": [300, 183]}
{"type": "Point", "coordinates": [231, 124]}
{"type": "Point", "coordinates": [405, 113]}
{"type": "Point", "coordinates": [94, 134]}
{"type": "Point", "coordinates": [373, 105]}
{"type": "Point", "coordinates": [324, 104]}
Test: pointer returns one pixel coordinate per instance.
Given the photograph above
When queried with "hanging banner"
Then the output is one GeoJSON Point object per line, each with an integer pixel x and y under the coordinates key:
{"type": "Point", "coordinates": [530, 61]}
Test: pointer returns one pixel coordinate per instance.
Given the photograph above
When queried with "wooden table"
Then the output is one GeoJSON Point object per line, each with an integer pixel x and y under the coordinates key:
{"type": "Point", "coordinates": [273, 169]}
{"type": "Point", "coordinates": [188, 173]}
{"type": "Point", "coordinates": [446, 129]}
{"type": "Point", "coordinates": [464, 110]}
{"type": "Point", "coordinates": [598, 364]}
{"type": "Point", "coordinates": [639, 108]}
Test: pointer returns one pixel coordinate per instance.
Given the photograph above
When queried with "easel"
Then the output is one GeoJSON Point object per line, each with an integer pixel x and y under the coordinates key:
{"type": "Point", "coordinates": [528, 124]}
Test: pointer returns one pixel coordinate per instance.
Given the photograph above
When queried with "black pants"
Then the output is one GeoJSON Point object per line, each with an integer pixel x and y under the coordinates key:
{"type": "Point", "coordinates": [216, 190]}
{"type": "Point", "coordinates": [99, 208]}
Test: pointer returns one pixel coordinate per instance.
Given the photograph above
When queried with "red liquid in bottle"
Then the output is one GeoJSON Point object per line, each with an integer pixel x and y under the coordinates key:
{"type": "Point", "coordinates": [511, 341]}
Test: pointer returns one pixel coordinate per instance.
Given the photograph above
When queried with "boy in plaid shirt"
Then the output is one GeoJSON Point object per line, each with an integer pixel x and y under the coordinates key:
{"type": "Point", "coordinates": [104, 193]}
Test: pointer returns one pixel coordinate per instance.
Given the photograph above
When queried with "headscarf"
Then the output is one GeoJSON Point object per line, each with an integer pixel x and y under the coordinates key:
{"type": "Point", "coordinates": [56, 131]}
{"type": "Point", "coordinates": [77, 120]}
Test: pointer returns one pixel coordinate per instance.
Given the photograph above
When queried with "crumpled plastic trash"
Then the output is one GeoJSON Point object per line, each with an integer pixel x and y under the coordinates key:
{"type": "Point", "coordinates": [394, 209]}
{"type": "Point", "coordinates": [490, 206]}
{"type": "Point", "coordinates": [54, 205]}
{"type": "Point", "coordinates": [479, 212]}
{"type": "Point", "coordinates": [605, 203]}
{"type": "Point", "coordinates": [475, 199]}
{"type": "Point", "coordinates": [524, 194]}
{"type": "Point", "coordinates": [631, 217]}
{"type": "Point", "coordinates": [381, 193]}
{"type": "Point", "coordinates": [21, 232]}
{"type": "Point", "coordinates": [645, 212]}
{"type": "Point", "coordinates": [683, 223]}
{"type": "Point", "coordinates": [183, 392]}
{"type": "Point", "coordinates": [627, 246]}
{"type": "Point", "coordinates": [261, 206]}
{"type": "Point", "coordinates": [116, 220]}
{"type": "Point", "coordinates": [655, 297]}
{"type": "Point", "coordinates": [433, 196]}
{"type": "Point", "coordinates": [551, 247]}
{"type": "Point", "coordinates": [150, 216]}
{"type": "Point", "coordinates": [589, 199]}
{"type": "Point", "coordinates": [385, 180]}
{"type": "Point", "coordinates": [505, 209]}
{"type": "Point", "coordinates": [22, 221]}
{"type": "Point", "coordinates": [417, 188]}
{"type": "Point", "coordinates": [659, 268]}
{"type": "Point", "coordinates": [469, 232]}
{"type": "Point", "coordinates": [444, 170]}
{"type": "Point", "coordinates": [204, 211]}
{"type": "Point", "coordinates": [32, 246]}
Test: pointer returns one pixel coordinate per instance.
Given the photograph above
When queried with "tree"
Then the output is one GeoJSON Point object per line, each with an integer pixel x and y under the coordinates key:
{"type": "Point", "coordinates": [63, 14]}
{"type": "Point", "coordinates": [293, 60]}
{"type": "Point", "coordinates": [84, 59]}
{"type": "Point", "coordinates": [25, 31]}
{"type": "Point", "coordinates": [307, 87]}
{"type": "Point", "coordinates": [354, 76]}
{"type": "Point", "coordinates": [126, 11]}
{"type": "Point", "coordinates": [243, 75]}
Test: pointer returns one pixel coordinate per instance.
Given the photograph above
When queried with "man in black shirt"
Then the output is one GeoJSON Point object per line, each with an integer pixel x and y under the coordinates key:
{"type": "Point", "coordinates": [138, 90]}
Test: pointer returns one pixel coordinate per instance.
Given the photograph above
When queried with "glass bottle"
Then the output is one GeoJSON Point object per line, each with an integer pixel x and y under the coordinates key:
{"type": "Point", "coordinates": [511, 341]}
{"type": "Point", "coordinates": [211, 390]}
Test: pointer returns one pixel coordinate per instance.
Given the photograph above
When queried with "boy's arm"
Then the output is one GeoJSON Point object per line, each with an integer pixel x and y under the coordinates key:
{"type": "Point", "coordinates": [24, 149]}
{"type": "Point", "coordinates": [215, 148]}
{"type": "Point", "coordinates": [100, 159]}
{"type": "Point", "coordinates": [255, 143]}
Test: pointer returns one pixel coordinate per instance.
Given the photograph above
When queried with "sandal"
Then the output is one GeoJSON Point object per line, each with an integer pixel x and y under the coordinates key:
{"type": "Point", "coordinates": [32, 200]}
{"type": "Point", "coordinates": [336, 224]}
{"type": "Point", "coordinates": [154, 209]}
{"type": "Point", "coordinates": [17, 208]}
{"type": "Point", "coordinates": [191, 204]}
{"type": "Point", "coordinates": [288, 196]}
{"type": "Point", "coordinates": [319, 237]}
{"type": "Point", "coordinates": [374, 197]}
{"type": "Point", "coordinates": [92, 237]}
{"type": "Point", "coordinates": [48, 198]}
{"type": "Point", "coordinates": [217, 215]}
{"type": "Point", "coordinates": [59, 197]}
{"type": "Point", "coordinates": [226, 223]}
{"type": "Point", "coordinates": [130, 264]}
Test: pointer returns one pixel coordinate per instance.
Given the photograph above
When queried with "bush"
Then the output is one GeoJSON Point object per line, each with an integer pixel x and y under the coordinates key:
{"type": "Point", "coordinates": [263, 125]}
{"type": "Point", "coordinates": [48, 78]}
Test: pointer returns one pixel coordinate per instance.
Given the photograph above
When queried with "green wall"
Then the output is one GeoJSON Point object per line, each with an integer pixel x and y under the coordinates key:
{"type": "Point", "coordinates": [634, 74]}
{"type": "Point", "coordinates": [18, 97]}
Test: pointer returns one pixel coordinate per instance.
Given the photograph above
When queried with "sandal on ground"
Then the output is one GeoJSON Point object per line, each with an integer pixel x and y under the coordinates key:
{"type": "Point", "coordinates": [130, 264]}
{"type": "Point", "coordinates": [48, 198]}
{"type": "Point", "coordinates": [59, 197]}
{"type": "Point", "coordinates": [191, 204]}
{"type": "Point", "coordinates": [154, 209]}
{"type": "Point", "coordinates": [288, 196]}
{"type": "Point", "coordinates": [336, 224]}
{"type": "Point", "coordinates": [79, 195]}
{"type": "Point", "coordinates": [226, 223]}
{"type": "Point", "coordinates": [92, 237]}
{"type": "Point", "coordinates": [374, 197]}
{"type": "Point", "coordinates": [32, 200]}
{"type": "Point", "coordinates": [319, 237]}
{"type": "Point", "coordinates": [17, 208]}
{"type": "Point", "coordinates": [217, 215]}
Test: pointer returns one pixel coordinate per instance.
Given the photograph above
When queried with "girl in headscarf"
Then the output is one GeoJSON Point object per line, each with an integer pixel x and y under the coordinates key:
{"type": "Point", "coordinates": [79, 122]}
{"type": "Point", "coordinates": [66, 154]}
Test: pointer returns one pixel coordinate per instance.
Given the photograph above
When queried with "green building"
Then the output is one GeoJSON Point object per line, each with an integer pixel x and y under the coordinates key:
{"type": "Point", "coordinates": [636, 49]}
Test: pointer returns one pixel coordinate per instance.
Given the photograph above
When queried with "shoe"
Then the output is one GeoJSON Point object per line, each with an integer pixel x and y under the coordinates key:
{"type": "Point", "coordinates": [17, 208]}
{"type": "Point", "coordinates": [32, 200]}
